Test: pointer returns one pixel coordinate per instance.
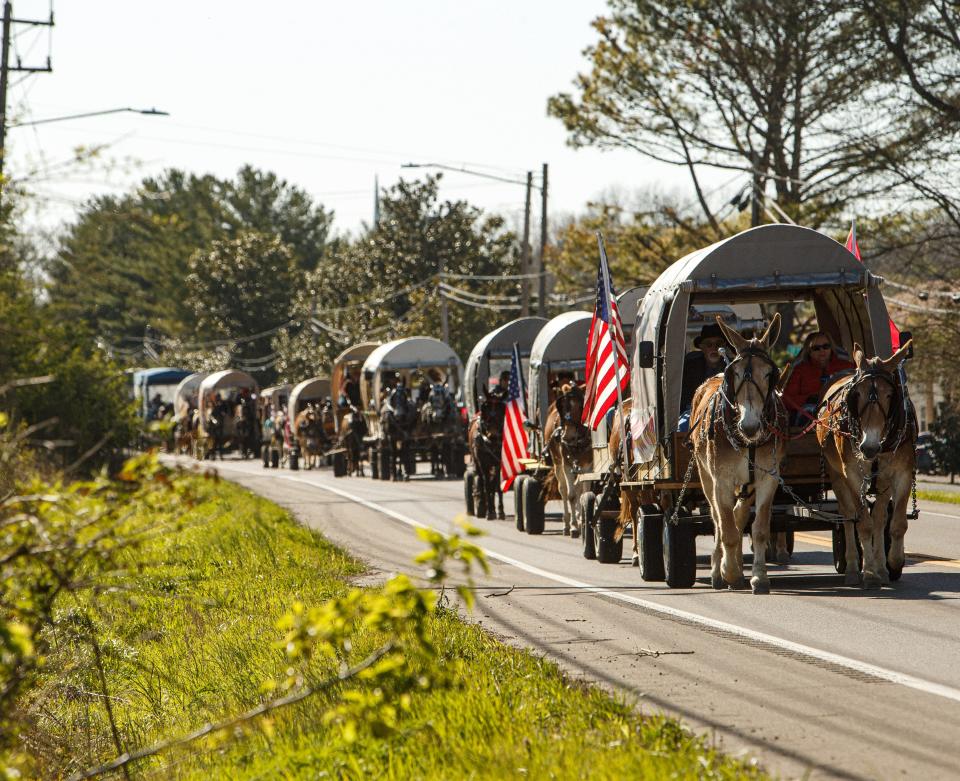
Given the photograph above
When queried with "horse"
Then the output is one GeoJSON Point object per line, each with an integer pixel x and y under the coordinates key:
{"type": "Point", "coordinates": [439, 419]}
{"type": "Point", "coordinates": [867, 429]}
{"type": "Point", "coordinates": [353, 428]}
{"type": "Point", "coordinates": [398, 416]}
{"type": "Point", "coordinates": [308, 429]}
{"type": "Point", "coordinates": [245, 426]}
{"type": "Point", "coordinates": [485, 440]}
{"type": "Point", "coordinates": [737, 417]}
{"type": "Point", "coordinates": [568, 444]}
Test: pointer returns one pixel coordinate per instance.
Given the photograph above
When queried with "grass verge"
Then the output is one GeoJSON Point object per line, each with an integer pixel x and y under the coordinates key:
{"type": "Point", "coordinates": [944, 497]}
{"type": "Point", "coordinates": [192, 637]}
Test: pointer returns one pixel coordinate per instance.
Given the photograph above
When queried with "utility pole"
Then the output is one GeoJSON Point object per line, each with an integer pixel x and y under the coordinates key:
{"type": "Point", "coordinates": [6, 69]}
{"type": "Point", "coordinates": [542, 280]}
{"type": "Point", "coordinates": [525, 252]}
{"type": "Point", "coordinates": [755, 194]}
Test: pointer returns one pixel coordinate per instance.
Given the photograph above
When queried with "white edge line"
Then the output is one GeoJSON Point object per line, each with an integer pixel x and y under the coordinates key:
{"type": "Point", "coordinates": [891, 676]}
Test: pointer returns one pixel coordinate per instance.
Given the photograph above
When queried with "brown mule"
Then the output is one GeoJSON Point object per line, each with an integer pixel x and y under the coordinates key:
{"type": "Point", "coordinates": [568, 443]}
{"type": "Point", "coordinates": [736, 418]}
{"type": "Point", "coordinates": [868, 432]}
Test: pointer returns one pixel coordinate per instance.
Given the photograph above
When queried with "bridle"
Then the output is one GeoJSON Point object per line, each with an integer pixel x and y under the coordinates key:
{"type": "Point", "coordinates": [581, 438]}
{"type": "Point", "coordinates": [730, 388]}
{"type": "Point", "coordinates": [894, 424]}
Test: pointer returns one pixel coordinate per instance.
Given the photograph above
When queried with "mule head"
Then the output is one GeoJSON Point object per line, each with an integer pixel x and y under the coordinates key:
{"type": "Point", "coordinates": [750, 379]}
{"type": "Point", "coordinates": [492, 414]}
{"type": "Point", "coordinates": [872, 400]}
{"type": "Point", "coordinates": [569, 406]}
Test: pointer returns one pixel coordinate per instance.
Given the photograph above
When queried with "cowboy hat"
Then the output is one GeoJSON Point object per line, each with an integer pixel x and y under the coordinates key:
{"type": "Point", "coordinates": [711, 331]}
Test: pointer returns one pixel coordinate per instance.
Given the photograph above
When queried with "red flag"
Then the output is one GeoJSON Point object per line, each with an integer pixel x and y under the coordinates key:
{"type": "Point", "coordinates": [854, 248]}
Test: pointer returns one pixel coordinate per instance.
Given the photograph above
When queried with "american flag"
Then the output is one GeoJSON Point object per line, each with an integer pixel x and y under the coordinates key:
{"type": "Point", "coordinates": [606, 349]}
{"type": "Point", "coordinates": [514, 433]}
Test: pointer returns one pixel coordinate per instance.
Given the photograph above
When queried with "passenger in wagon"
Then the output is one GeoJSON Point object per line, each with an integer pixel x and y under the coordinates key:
{"type": "Point", "coordinates": [816, 364]}
{"type": "Point", "coordinates": [698, 366]}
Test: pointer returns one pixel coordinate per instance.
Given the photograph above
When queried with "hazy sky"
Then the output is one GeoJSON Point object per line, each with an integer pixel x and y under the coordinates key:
{"type": "Point", "coordinates": [326, 94]}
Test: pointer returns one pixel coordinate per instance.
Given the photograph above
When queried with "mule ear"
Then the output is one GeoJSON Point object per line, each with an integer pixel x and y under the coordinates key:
{"type": "Point", "coordinates": [772, 332]}
{"type": "Point", "coordinates": [784, 376]}
{"type": "Point", "coordinates": [894, 359]}
{"type": "Point", "coordinates": [858, 356]}
{"type": "Point", "coordinates": [735, 339]}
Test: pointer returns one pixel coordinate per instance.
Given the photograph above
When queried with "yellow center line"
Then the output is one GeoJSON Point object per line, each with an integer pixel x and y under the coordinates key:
{"type": "Point", "coordinates": [913, 558]}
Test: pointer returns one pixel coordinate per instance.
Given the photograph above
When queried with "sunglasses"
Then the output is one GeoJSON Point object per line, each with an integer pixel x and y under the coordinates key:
{"type": "Point", "coordinates": [819, 347]}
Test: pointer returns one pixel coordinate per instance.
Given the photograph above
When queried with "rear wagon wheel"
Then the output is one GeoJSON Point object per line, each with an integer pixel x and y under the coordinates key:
{"type": "Point", "coordinates": [680, 555]}
{"type": "Point", "coordinates": [533, 518]}
{"type": "Point", "coordinates": [649, 531]}
{"type": "Point", "coordinates": [518, 482]}
{"type": "Point", "coordinates": [588, 503]}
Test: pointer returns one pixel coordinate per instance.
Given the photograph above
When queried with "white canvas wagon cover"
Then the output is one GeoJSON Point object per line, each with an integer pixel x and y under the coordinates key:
{"type": "Point", "coordinates": [314, 389]}
{"type": "Point", "coordinates": [186, 394]}
{"type": "Point", "coordinates": [561, 345]}
{"type": "Point", "coordinates": [414, 352]}
{"type": "Point", "coordinates": [356, 354]}
{"type": "Point", "coordinates": [228, 378]}
{"type": "Point", "coordinates": [498, 344]}
{"type": "Point", "coordinates": [769, 263]}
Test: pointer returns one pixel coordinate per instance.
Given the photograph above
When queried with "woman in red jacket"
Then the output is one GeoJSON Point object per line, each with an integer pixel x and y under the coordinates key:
{"type": "Point", "coordinates": [816, 364]}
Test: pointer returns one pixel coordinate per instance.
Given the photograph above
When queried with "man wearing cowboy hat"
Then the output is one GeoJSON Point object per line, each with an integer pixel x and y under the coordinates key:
{"type": "Point", "coordinates": [698, 366]}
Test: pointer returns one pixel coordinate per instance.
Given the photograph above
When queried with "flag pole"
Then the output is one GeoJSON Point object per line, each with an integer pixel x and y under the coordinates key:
{"type": "Point", "coordinates": [616, 354]}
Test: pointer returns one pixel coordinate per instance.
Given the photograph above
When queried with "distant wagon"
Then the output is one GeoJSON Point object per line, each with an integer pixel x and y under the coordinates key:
{"type": "Point", "coordinates": [223, 390]}
{"type": "Point", "coordinates": [491, 357]}
{"type": "Point", "coordinates": [316, 392]}
{"type": "Point", "coordinates": [557, 356]}
{"type": "Point", "coordinates": [345, 374]}
{"type": "Point", "coordinates": [397, 381]}
{"type": "Point", "coordinates": [154, 391]}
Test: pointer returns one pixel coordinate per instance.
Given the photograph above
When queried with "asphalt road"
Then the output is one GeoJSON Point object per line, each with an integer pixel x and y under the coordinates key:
{"type": "Point", "coordinates": [816, 680]}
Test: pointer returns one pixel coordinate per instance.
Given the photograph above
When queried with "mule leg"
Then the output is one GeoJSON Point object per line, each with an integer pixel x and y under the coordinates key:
{"type": "Point", "coordinates": [874, 557]}
{"type": "Point", "coordinates": [730, 537]}
{"type": "Point", "coordinates": [765, 489]}
{"type": "Point", "coordinates": [501, 515]}
{"type": "Point", "coordinates": [490, 490]}
{"type": "Point", "coordinates": [564, 487]}
{"type": "Point", "coordinates": [782, 552]}
{"type": "Point", "coordinates": [848, 503]}
{"type": "Point", "coordinates": [709, 488]}
{"type": "Point", "coordinates": [898, 529]}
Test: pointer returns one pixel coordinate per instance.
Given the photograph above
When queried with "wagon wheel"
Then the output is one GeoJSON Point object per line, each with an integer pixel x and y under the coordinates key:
{"type": "Point", "coordinates": [648, 529]}
{"type": "Point", "coordinates": [339, 464]}
{"type": "Point", "coordinates": [680, 554]}
{"type": "Point", "coordinates": [588, 503]}
{"type": "Point", "coordinates": [374, 458]}
{"type": "Point", "coordinates": [518, 500]}
{"type": "Point", "coordinates": [607, 551]}
{"type": "Point", "coordinates": [533, 518]}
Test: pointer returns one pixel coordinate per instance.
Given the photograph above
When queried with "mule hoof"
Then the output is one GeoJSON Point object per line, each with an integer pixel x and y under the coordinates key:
{"type": "Point", "coordinates": [851, 579]}
{"type": "Point", "coordinates": [760, 586]}
{"type": "Point", "coordinates": [491, 517]}
{"type": "Point", "coordinates": [871, 582]}
{"type": "Point", "coordinates": [575, 534]}
{"type": "Point", "coordinates": [739, 585]}
{"type": "Point", "coordinates": [717, 581]}
{"type": "Point", "coordinates": [783, 557]}
{"type": "Point", "coordinates": [635, 561]}
{"type": "Point", "coordinates": [501, 516]}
